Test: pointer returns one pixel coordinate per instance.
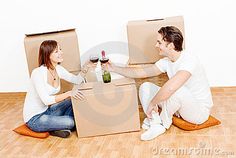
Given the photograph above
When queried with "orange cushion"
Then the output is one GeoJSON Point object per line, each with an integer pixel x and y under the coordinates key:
{"type": "Point", "coordinates": [25, 130]}
{"type": "Point", "coordinates": [179, 122]}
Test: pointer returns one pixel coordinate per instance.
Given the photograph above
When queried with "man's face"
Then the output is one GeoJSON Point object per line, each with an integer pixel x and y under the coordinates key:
{"type": "Point", "coordinates": [161, 45]}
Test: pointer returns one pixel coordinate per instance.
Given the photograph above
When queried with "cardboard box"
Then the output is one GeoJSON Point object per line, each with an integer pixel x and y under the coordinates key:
{"type": "Point", "coordinates": [68, 42]}
{"type": "Point", "coordinates": [142, 35]}
{"type": "Point", "coordinates": [109, 108]}
{"type": "Point", "coordinates": [69, 45]}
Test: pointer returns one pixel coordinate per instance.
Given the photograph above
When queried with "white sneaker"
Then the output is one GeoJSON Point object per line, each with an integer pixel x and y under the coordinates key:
{"type": "Point", "coordinates": [146, 124]}
{"type": "Point", "coordinates": [153, 132]}
{"type": "Point", "coordinates": [154, 120]}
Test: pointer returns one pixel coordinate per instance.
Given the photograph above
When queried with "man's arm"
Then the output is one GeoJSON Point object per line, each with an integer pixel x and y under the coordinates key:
{"type": "Point", "coordinates": [136, 72]}
{"type": "Point", "coordinates": [168, 89]}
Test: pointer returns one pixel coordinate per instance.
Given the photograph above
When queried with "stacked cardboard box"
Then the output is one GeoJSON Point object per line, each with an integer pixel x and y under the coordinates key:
{"type": "Point", "coordinates": [142, 35]}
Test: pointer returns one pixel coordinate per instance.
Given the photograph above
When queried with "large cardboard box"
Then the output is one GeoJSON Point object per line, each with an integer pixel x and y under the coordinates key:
{"type": "Point", "coordinates": [68, 42]}
{"type": "Point", "coordinates": [142, 36]}
{"type": "Point", "coordinates": [109, 108]}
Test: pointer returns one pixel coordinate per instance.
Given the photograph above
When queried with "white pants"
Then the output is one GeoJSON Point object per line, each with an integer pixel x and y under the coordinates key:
{"type": "Point", "coordinates": [181, 102]}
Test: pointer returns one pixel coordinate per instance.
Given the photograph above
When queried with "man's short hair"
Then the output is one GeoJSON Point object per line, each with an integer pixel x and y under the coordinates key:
{"type": "Point", "coordinates": [172, 34]}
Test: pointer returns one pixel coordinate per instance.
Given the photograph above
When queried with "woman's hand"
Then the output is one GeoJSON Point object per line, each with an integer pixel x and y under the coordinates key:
{"type": "Point", "coordinates": [77, 94]}
{"type": "Point", "coordinates": [85, 68]}
{"type": "Point", "coordinates": [89, 64]}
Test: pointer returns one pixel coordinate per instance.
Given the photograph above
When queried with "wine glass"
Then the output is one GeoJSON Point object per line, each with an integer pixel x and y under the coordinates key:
{"type": "Point", "coordinates": [94, 58]}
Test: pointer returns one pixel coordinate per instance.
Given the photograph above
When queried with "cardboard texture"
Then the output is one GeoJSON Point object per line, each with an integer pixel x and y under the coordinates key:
{"type": "Point", "coordinates": [91, 76]}
{"type": "Point", "coordinates": [109, 108]}
{"type": "Point", "coordinates": [142, 38]}
{"type": "Point", "coordinates": [68, 42]}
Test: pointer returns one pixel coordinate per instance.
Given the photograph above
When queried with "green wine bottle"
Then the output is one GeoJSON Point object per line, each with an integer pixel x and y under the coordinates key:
{"type": "Point", "coordinates": [106, 76]}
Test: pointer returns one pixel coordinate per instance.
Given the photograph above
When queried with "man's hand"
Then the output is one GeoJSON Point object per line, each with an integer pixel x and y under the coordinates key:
{"type": "Point", "coordinates": [151, 107]}
{"type": "Point", "coordinates": [108, 66]}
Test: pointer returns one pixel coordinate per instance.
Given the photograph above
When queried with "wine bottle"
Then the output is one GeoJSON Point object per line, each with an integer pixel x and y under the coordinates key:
{"type": "Point", "coordinates": [106, 76]}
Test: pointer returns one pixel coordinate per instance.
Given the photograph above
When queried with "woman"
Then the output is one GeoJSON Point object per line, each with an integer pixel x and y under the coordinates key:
{"type": "Point", "coordinates": [44, 109]}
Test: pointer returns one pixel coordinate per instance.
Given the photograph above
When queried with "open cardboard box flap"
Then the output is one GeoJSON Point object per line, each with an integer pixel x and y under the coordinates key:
{"type": "Point", "coordinates": [113, 83]}
{"type": "Point", "coordinates": [49, 32]}
{"type": "Point", "coordinates": [164, 20]}
{"type": "Point", "coordinates": [67, 40]}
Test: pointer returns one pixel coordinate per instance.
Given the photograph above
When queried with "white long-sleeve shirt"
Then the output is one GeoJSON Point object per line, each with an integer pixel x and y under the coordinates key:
{"type": "Point", "coordinates": [41, 94]}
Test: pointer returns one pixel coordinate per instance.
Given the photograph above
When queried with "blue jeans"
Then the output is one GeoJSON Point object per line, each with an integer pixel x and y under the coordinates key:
{"type": "Point", "coordinates": [58, 116]}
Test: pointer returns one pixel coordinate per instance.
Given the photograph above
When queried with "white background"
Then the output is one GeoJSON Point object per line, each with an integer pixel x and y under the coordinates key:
{"type": "Point", "coordinates": [210, 29]}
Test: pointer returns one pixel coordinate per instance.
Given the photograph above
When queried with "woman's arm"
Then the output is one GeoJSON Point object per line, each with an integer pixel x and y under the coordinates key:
{"type": "Point", "coordinates": [76, 79]}
{"type": "Point", "coordinates": [38, 80]}
{"type": "Point", "coordinates": [63, 96]}
{"type": "Point", "coordinates": [69, 77]}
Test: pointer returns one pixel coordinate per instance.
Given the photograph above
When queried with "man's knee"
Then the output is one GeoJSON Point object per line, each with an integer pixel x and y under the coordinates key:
{"type": "Point", "coordinates": [145, 87]}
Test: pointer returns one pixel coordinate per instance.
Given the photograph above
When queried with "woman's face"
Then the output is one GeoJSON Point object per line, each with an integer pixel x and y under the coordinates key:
{"type": "Point", "coordinates": [56, 56]}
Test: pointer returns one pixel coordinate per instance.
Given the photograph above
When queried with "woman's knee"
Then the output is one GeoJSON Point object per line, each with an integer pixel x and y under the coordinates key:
{"type": "Point", "coordinates": [69, 123]}
{"type": "Point", "coordinates": [68, 102]}
{"type": "Point", "coordinates": [39, 124]}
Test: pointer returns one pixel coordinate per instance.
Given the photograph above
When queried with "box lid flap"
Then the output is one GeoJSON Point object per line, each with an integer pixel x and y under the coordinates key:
{"type": "Point", "coordinates": [49, 32]}
{"type": "Point", "coordinates": [141, 22]}
{"type": "Point", "coordinates": [123, 81]}
{"type": "Point", "coordinates": [85, 86]}
{"type": "Point", "coordinates": [116, 82]}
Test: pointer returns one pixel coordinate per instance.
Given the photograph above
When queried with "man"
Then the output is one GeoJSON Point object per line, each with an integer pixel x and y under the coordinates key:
{"type": "Point", "coordinates": [186, 93]}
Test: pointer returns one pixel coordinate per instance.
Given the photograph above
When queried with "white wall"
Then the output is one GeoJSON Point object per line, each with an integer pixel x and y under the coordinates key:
{"type": "Point", "coordinates": [210, 30]}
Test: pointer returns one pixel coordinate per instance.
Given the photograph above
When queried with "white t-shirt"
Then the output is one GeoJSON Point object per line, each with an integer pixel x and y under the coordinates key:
{"type": "Point", "coordinates": [197, 83]}
{"type": "Point", "coordinates": [41, 94]}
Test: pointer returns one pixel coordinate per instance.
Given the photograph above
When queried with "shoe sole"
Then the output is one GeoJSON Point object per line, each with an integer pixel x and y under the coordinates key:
{"type": "Point", "coordinates": [154, 136]}
{"type": "Point", "coordinates": [61, 133]}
